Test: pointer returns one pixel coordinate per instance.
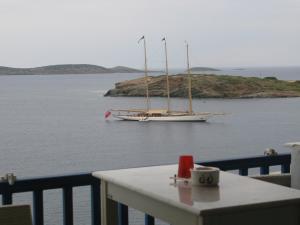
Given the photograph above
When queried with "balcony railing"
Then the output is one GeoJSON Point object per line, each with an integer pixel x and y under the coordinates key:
{"type": "Point", "coordinates": [244, 164]}
{"type": "Point", "coordinates": [38, 185]}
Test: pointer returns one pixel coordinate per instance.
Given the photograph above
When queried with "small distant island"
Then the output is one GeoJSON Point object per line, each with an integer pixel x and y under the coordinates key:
{"type": "Point", "coordinates": [209, 86]}
{"type": "Point", "coordinates": [239, 69]}
{"type": "Point", "coordinates": [201, 69]}
{"type": "Point", "coordinates": [66, 69]}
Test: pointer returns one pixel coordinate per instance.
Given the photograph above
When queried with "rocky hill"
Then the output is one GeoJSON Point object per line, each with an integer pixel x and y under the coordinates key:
{"type": "Point", "coordinates": [66, 69]}
{"type": "Point", "coordinates": [210, 86]}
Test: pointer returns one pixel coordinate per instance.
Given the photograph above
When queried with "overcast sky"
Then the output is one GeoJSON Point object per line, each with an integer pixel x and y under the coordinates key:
{"type": "Point", "coordinates": [232, 33]}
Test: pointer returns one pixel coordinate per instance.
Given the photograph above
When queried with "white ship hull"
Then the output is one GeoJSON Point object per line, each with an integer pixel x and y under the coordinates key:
{"type": "Point", "coordinates": [169, 118]}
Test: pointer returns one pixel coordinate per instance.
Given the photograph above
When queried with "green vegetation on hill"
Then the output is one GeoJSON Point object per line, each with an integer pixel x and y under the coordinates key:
{"type": "Point", "coordinates": [210, 86]}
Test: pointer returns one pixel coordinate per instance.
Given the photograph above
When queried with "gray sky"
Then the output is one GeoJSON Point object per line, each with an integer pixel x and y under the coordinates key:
{"type": "Point", "coordinates": [105, 32]}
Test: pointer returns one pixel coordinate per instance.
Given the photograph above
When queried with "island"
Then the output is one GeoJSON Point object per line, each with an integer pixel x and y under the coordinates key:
{"type": "Point", "coordinates": [66, 69]}
{"type": "Point", "coordinates": [209, 86]}
{"type": "Point", "coordinates": [201, 69]}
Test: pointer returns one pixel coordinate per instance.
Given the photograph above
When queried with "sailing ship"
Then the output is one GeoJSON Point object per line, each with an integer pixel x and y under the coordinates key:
{"type": "Point", "coordinates": [167, 114]}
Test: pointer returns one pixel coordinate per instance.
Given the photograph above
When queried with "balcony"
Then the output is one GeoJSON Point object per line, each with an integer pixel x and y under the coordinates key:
{"type": "Point", "coordinates": [66, 183]}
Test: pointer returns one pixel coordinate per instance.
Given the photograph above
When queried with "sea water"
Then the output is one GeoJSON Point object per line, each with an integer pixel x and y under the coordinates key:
{"type": "Point", "coordinates": [54, 124]}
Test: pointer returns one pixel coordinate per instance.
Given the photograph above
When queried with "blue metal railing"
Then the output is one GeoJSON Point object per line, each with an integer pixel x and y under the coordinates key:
{"type": "Point", "coordinates": [244, 164]}
{"type": "Point", "coordinates": [66, 183]}
{"type": "Point", "coordinates": [38, 185]}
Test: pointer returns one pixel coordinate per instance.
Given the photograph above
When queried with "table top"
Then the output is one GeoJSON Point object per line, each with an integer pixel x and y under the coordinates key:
{"type": "Point", "coordinates": [233, 192]}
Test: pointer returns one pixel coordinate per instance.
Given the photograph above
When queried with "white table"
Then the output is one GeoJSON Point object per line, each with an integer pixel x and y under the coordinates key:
{"type": "Point", "coordinates": [236, 201]}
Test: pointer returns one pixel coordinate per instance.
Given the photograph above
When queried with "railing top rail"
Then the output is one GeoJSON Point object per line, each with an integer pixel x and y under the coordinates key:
{"type": "Point", "coordinates": [249, 162]}
{"type": "Point", "coordinates": [45, 183]}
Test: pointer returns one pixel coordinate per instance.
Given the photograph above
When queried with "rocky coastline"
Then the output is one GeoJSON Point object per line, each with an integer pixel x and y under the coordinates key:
{"type": "Point", "coordinates": [208, 86]}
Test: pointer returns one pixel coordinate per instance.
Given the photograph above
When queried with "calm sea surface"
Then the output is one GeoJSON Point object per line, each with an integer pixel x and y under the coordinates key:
{"type": "Point", "coordinates": [55, 125]}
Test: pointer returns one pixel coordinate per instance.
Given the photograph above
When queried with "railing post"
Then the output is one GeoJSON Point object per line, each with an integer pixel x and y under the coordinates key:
{"type": "Point", "coordinates": [7, 197]}
{"type": "Point", "coordinates": [149, 220]}
{"type": "Point", "coordinates": [285, 168]}
{"type": "Point", "coordinates": [38, 207]}
{"type": "Point", "coordinates": [122, 214]}
{"type": "Point", "coordinates": [243, 171]}
{"type": "Point", "coordinates": [264, 170]}
{"type": "Point", "coordinates": [68, 205]}
{"type": "Point", "coordinates": [95, 202]}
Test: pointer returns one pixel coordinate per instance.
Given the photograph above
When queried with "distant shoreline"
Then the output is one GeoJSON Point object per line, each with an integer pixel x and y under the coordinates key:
{"type": "Point", "coordinates": [64, 69]}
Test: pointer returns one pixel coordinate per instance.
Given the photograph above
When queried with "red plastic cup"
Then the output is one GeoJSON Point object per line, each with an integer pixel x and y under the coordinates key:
{"type": "Point", "coordinates": [186, 163]}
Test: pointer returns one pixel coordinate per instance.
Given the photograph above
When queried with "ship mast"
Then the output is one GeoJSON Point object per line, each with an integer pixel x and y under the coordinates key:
{"type": "Point", "coordinates": [146, 74]}
{"type": "Point", "coordinates": [167, 73]}
{"type": "Point", "coordinates": [189, 79]}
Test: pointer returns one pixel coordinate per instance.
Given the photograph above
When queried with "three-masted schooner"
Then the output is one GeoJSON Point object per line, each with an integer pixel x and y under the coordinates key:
{"type": "Point", "coordinates": [167, 114]}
